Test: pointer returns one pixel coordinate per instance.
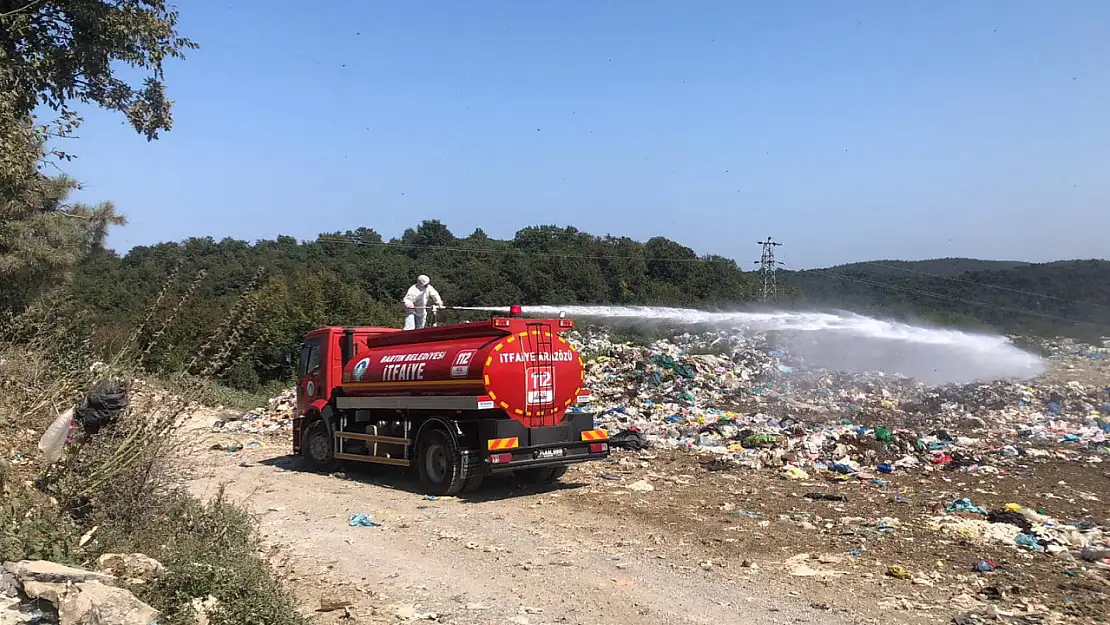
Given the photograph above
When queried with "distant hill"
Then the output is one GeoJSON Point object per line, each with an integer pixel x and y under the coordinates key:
{"type": "Point", "coordinates": [948, 267]}
{"type": "Point", "coordinates": [1064, 297]}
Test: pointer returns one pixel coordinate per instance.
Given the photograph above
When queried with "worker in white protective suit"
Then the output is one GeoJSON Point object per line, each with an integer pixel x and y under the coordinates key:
{"type": "Point", "coordinates": [416, 302]}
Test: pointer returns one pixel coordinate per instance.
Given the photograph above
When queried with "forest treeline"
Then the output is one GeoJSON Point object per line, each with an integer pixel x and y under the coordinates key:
{"type": "Point", "coordinates": [189, 288]}
{"type": "Point", "coordinates": [271, 292]}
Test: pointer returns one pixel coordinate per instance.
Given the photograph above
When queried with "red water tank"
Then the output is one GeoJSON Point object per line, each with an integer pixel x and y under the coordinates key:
{"type": "Point", "coordinates": [524, 366]}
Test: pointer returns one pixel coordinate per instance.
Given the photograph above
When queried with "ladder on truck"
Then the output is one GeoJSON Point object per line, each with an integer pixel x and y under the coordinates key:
{"type": "Point", "coordinates": [540, 373]}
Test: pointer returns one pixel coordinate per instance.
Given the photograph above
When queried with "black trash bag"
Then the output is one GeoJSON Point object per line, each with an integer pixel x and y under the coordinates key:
{"type": "Point", "coordinates": [102, 405]}
{"type": "Point", "coordinates": [713, 427]}
{"type": "Point", "coordinates": [1012, 518]}
{"type": "Point", "coordinates": [629, 439]}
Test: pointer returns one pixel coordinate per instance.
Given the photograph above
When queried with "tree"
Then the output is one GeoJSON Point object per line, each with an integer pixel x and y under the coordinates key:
{"type": "Point", "coordinates": [430, 233]}
{"type": "Point", "coordinates": [42, 237]}
{"type": "Point", "coordinates": [58, 53]}
{"type": "Point", "coordinates": [55, 52]}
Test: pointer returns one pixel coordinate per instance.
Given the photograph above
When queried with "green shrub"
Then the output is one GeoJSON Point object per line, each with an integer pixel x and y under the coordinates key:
{"type": "Point", "coordinates": [31, 528]}
{"type": "Point", "coordinates": [209, 549]}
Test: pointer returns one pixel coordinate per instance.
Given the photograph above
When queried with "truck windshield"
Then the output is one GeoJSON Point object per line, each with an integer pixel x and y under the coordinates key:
{"type": "Point", "coordinates": [310, 357]}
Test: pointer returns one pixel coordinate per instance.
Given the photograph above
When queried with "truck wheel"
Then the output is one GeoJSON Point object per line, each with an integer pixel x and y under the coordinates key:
{"type": "Point", "coordinates": [544, 475]}
{"type": "Point", "coordinates": [318, 447]}
{"type": "Point", "coordinates": [439, 463]}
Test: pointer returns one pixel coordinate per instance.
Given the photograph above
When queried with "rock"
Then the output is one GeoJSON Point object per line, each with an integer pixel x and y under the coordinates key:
{"type": "Point", "coordinates": [43, 571]}
{"type": "Point", "coordinates": [331, 604]}
{"type": "Point", "coordinates": [131, 566]}
{"type": "Point", "coordinates": [80, 597]}
{"type": "Point", "coordinates": [899, 572]}
{"type": "Point", "coordinates": [797, 559]}
{"type": "Point", "coordinates": [640, 486]}
{"type": "Point", "coordinates": [804, 570]}
{"type": "Point", "coordinates": [93, 603]}
{"type": "Point", "coordinates": [202, 608]}
{"type": "Point", "coordinates": [230, 446]}
{"type": "Point", "coordinates": [9, 587]}
{"type": "Point", "coordinates": [46, 591]}
{"type": "Point", "coordinates": [10, 612]}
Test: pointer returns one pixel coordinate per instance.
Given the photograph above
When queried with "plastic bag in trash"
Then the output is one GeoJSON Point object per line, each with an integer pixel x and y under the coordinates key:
{"type": "Point", "coordinates": [53, 441]}
{"type": "Point", "coordinates": [102, 405]}
{"type": "Point", "coordinates": [629, 439]}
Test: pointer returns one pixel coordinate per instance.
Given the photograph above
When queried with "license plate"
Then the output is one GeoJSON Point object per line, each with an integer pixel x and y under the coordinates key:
{"type": "Point", "coordinates": [551, 453]}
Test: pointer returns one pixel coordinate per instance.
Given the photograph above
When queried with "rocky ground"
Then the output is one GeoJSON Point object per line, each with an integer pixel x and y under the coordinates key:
{"type": "Point", "coordinates": [505, 555]}
{"type": "Point", "coordinates": [661, 538]}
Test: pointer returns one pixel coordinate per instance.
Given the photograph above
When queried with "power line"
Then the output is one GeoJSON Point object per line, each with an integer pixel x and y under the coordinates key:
{"type": "Point", "coordinates": [767, 266]}
{"type": "Point", "coordinates": [478, 250]}
{"type": "Point", "coordinates": [980, 284]}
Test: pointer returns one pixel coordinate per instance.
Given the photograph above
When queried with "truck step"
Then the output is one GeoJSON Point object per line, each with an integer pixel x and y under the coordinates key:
{"type": "Point", "coordinates": [370, 457]}
{"type": "Point", "coordinates": [400, 462]}
{"type": "Point", "coordinates": [373, 438]}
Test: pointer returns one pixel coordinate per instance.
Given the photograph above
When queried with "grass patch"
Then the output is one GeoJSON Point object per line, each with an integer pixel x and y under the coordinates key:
{"type": "Point", "coordinates": [209, 549]}
{"type": "Point", "coordinates": [213, 393]}
{"type": "Point", "coordinates": [32, 527]}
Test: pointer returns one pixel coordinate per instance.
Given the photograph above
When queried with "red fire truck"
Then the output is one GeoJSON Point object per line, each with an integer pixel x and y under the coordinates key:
{"type": "Point", "coordinates": [456, 402]}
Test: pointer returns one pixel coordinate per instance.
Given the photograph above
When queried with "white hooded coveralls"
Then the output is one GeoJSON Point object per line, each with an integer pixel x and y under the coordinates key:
{"type": "Point", "coordinates": [416, 302]}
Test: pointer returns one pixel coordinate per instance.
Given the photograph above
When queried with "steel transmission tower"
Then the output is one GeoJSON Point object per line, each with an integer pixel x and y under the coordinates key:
{"type": "Point", "coordinates": [767, 266]}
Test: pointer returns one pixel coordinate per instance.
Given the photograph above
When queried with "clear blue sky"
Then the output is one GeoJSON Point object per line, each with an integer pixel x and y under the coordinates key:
{"type": "Point", "coordinates": [847, 130]}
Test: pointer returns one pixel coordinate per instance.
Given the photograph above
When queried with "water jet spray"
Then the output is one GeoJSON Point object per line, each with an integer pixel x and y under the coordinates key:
{"type": "Point", "coordinates": [838, 340]}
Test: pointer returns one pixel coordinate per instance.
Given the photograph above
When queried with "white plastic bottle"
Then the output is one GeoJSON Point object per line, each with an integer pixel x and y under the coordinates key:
{"type": "Point", "coordinates": [53, 441]}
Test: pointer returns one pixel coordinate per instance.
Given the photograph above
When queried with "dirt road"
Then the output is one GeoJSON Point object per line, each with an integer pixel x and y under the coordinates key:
{"type": "Point", "coordinates": [509, 556]}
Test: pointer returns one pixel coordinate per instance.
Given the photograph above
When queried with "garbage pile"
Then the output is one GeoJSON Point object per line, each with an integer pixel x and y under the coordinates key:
{"type": "Point", "coordinates": [746, 405]}
{"type": "Point", "coordinates": [1084, 540]}
{"type": "Point", "coordinates": [275, 418]}
{"type": "Point", "coordinates": [1067, 348]}
{"type": "Point", "coordinates": [755, 406]}
{"type": "Point", "coordinates": [100, 406]}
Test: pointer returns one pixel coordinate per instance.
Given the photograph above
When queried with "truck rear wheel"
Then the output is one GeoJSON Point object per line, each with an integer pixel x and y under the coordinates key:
{"type": "Point", "coordinates": [439, 463]}
{"type": "Point", "coordinates": [318, 447]}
